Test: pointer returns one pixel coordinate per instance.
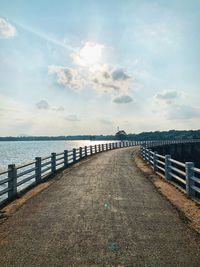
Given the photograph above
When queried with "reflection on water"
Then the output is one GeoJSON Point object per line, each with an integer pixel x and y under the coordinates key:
{"type": "Point", "coordinates": [20, 152]}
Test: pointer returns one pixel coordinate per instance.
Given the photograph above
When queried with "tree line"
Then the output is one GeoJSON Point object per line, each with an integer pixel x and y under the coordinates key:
{"type": "Point", "coordinates": [157, 135]}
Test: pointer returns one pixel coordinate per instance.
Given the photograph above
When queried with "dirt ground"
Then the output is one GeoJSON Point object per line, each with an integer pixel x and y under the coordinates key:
{"type": "Point", "coordinates": [188, 207]}
{"type": "Point", "coordinates": [104, 212]}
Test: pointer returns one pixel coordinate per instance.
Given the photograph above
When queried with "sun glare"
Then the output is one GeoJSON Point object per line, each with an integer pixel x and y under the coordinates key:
{"type": "Point", "coordinates": [90, 53]}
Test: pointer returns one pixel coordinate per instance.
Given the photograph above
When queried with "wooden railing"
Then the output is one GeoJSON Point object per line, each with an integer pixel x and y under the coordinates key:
{"type": "Point", "coordinates": [184, 175]}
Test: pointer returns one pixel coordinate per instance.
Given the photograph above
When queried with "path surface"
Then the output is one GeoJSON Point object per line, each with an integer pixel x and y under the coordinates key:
{"type": "Point", "coordinates": [101, 213]}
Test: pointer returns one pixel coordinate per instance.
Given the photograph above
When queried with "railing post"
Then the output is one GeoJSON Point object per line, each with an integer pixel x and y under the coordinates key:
{"type": "Point", "coordinates": [90, 150]}
{"type": "Point", "coordinates": [110, 146]}
{"type": "Point", "coordinates": [155, 161]}
{"type": "Point", "coordinates": [116, 145]}
{"type": "Point", "coordinates": [141, 151]}
{"type": "Point", "coordinates": [106, 146]}
{"type": "Point", "coordinates": [74, 155]}
{"type": "Point", "coordinates": [102, 146]}
{"type": "Point", "coordinates": [167, 167]}
{"type": "Point", "coordinates": [144, 153]}
{"type": "Point", "coordinates": [81, 154]}
{"type": "Point", "coordinates": [95, 149]}
{"type": "Point", "coordinates": [149, 156]}
{"type": "Point", "coordinates": [99, 148]}
{"type": "Point", "coordinates": [38, 169]}
{"type": "Point", "coordinates": [65, 158]}
{"type": "Point", "coordinates": [85, 151]}
{"type": "Point", "coordinates": [53, 162]}
{"type": "Point", "coordinates": [189, 182]}
{"type": "Point", "coordinates": [12, 184]}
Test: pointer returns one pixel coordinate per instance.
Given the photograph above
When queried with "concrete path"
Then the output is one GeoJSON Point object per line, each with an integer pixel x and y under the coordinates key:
{"type": "Point", "coordinates": [101, 213]}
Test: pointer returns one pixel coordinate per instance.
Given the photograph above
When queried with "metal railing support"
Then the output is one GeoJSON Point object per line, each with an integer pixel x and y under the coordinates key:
{"type": "Point", "coordinates": [189, 182]}
{"type": "Point", "coordinates": [74, 155]}
{"type": "Point", "coordinates": [85, 151]}
{"type": "Point", "coordinates": [12, 184]}
{"type": "Point", "coordinates": [149, 156]}
{"type": "Point", "coordinates": [155, 161]}
{"type": "Point", "coordinates": [167, 167]}
{"type": "Point", "coordinates": [53, 162]}
{"type": "Point", "coordinates": [65, 158]}
{"type": "Point", "coordinates": [81, 153]}
{"type": "Point", "coordinates": [38, 169]}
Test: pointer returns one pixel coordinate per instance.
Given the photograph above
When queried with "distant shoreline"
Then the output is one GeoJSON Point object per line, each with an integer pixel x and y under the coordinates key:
{"type": "Point", "coordinates": [144, 136]}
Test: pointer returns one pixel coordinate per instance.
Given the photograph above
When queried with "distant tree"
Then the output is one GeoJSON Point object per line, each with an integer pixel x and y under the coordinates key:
{"type": "Point", "coordinates": [121, 135]}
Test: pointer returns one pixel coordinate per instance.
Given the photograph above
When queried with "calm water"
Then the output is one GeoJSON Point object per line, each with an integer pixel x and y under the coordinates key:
{"type": "Point", "coordinates": [19, 152]}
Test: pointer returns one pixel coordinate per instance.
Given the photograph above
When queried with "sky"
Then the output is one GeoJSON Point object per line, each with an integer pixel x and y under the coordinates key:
{"type": "Point", "coordinates": [86, 67]}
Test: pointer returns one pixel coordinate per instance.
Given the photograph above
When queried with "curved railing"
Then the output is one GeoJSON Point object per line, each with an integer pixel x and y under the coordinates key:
{"type": "Point", "coordinates": [184, 175]}
{"type": "Point", "coordinates": [18, 178]}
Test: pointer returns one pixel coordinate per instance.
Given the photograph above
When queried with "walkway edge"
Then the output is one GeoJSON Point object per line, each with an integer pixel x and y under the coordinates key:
{"type": "Point", "coordinates": [25, 196]}
{"type": "Point", "coordinates": [189, 209]}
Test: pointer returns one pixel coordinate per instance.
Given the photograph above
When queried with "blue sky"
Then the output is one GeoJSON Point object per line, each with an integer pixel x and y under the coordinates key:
{"type": "Point", "coordinates": [86, 67]}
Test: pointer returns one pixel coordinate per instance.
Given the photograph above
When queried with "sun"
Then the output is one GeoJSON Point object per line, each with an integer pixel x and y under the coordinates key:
{"type": "Point", "coordinates": [90, 54]}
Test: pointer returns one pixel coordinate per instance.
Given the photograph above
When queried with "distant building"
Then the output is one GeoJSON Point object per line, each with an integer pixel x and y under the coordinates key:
{"type": "Point", "coordinates": [121, 135]}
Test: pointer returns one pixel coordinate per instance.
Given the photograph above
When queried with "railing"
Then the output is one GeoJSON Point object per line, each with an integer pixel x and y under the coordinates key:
{"type": "Point", "coordinates": [19, 178]}
{"type": "Point", "coordinates": [184, 175]}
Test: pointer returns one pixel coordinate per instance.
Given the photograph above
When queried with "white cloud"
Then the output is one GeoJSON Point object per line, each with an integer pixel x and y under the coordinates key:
{"type": "Point", "coordinates": [43, 104]}
{"type": "Point", "coordinates": [67, 76]}
{"type": "Point", "coordinates": [102, 78]}
{"type": "Point", "coordinates": [119, 75]}
{"type": "Point", "coordinates": [72, 117]}
{"type": "Point", "coordinates": [124, 99]}
{"type": "Point", "coordinates": [59, 108]}
{"type": "Point", "coordinates": [89, 72]}
{"type": "Point", "coordinates": [166, 96]}
{"type": "Point", "coordinates": [6, 29]}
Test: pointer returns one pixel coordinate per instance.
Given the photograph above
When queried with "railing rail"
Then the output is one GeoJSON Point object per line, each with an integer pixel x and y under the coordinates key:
{"type": "Point", "coordinates": [184, 175]}
{"type": "Point", "coordinates": [18, 178]}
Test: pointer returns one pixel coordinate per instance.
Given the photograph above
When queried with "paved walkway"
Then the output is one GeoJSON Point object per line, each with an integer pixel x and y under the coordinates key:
{"type": "Point", "coordinates": [101, 213]}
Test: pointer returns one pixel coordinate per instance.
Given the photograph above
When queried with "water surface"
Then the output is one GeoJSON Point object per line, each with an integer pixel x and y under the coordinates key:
{"type": "Point", "coordinates": [20, 152]}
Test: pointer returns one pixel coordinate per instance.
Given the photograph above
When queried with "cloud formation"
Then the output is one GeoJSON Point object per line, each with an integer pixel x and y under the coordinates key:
{"type": "Point", "coordinates": [166, 96]}
{"type": "Point", "coordinates": [42, 104]}
{"type": "Point", "coordinates": [89, 72]}
{"type": "Point", "coordinates": [67, 76]}
{"type": "Point", "coordinates": [72, 117]}
{"type": "Point", "coordinates": [6, 29]}
{"type": "Point", "coordinates": [119, 75]}
{"type": "Point", "coordinates": [124, 99]}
